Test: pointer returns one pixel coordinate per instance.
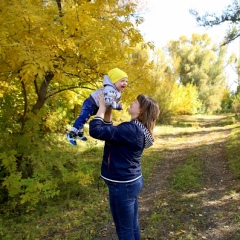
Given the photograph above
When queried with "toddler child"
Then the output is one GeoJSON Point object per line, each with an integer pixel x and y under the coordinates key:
{"type": "Point", "coordinates": [113, 84]}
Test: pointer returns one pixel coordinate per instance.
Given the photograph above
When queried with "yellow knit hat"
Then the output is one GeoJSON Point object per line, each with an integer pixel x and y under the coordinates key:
{"type": "Point", "coordinates": [116, 74]}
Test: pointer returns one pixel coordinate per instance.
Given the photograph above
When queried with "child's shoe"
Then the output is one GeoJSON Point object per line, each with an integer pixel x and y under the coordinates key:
{"type": "Point", "coordinates": [80, 136]}
{"type": "Point", "coordinates": [71, 137]}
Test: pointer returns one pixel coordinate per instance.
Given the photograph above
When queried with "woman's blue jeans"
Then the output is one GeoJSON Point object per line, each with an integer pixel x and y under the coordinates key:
{"type": "Point", "coordinates": [123, 199]}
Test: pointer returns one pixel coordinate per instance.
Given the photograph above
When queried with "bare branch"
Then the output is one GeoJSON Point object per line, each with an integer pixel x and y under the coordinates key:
{"type": "Point", "coordinates": [59, 4]}
{"type": "Point", "coordinates": [68, 88]}
{"type": "Point", "coordinates": [24, 92]}
{"type": "Point", "coordinates": [231, 16]}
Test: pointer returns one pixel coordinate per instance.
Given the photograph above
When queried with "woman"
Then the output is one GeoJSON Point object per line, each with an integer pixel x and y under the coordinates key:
{"type": "Point", "coordinates": [121, 167]}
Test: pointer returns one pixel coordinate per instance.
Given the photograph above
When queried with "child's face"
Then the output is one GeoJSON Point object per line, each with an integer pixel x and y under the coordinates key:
{"type": "Point", "coordinates": [121, 84]}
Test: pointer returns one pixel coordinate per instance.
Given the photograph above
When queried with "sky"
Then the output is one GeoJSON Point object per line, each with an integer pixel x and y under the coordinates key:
{"type": "Point", "coordinates": [168, 20]}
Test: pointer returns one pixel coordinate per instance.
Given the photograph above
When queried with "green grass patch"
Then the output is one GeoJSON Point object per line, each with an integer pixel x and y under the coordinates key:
{"type": "Point", "coordinates": [178, 211]}
{"type": "Point", "coordinates": [233, 150]}
{"type": "Point", "coordinates": [228, 121]}
{"type": "Point", "coordinates": [149, 160]}
{"type": "Point", "coordinates": [65, 219]}
{"type": "Point", "coordinates": [174, 216]}
{"type": "Point", "coordinates": [185, 124]}
{"type": "Point", "coordinates": [80, 211]}
{"type": "Point", "coordinates": [188, 177]}
{"type": "Point", "coordinates": [77, 212]}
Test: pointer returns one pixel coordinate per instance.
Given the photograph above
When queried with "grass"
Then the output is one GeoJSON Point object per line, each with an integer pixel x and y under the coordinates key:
{"type": "Point", "coordinates": [173, 216]}
{"type": "Point", "coordinates": [178, 212]}
{"type": "Point", "coordinates": [79, 212]}
{"type": "Point", "coordinates": [62, 219]}
{"type": "Point", "coordinates": [233, 151]}
{"type": "Point", "coordinates": [188, 177]}
{"type": "Point", "coordinates": [82, 212]}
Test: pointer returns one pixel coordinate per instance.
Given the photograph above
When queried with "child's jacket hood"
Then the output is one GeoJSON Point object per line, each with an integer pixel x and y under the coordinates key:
{"type": "Point", "coordinates": [107, 81]}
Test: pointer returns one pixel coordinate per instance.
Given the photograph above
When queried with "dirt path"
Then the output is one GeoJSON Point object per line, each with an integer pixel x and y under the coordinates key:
{"type": "Point", "coordinates": [217, 207]}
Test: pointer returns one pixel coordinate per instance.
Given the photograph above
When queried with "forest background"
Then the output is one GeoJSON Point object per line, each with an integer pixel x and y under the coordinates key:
{"type": "Point", "coordinates": [53, 54]}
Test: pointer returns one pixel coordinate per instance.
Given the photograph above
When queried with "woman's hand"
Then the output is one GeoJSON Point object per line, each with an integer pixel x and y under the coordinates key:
{"type": "Point", "coordinates": [101, 100]}
{"type": "Point", "coordinates": [102, 107]}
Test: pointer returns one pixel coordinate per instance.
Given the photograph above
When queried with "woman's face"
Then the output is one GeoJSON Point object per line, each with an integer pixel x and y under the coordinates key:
{"type": "Point", "coordinates": [134, 109]}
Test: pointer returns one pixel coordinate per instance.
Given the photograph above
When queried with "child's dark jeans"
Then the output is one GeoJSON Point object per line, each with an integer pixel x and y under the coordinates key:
{"type": "Point", "coordinates": [89, 108]}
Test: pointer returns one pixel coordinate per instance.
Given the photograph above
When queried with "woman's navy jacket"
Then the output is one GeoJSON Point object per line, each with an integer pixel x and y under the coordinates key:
{"type": "Point", "coordinates": [123, 148]}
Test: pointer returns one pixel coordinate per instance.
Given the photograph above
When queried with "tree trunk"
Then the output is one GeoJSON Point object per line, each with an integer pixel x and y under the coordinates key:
{"type": "Point", "coordinates": [43, 92]}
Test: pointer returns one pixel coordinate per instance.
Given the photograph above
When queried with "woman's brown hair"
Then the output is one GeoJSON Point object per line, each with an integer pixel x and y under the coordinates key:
{"type": "Point", "coordinates": [149, 112]}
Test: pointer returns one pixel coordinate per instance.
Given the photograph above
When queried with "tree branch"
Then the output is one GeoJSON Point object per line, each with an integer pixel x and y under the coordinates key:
{"type": "Point", "coordinates": [68, 88]}
{"type": "Point", "coordinates": [231, 16]}
{"type": "Point", "coordinates": [24, 92]}
{"type": "Point", "coordinates": [43, 92]}
{"type": "Point", "coordinates": [59, 4]}
{"type": "Point", "coordinates": [36, 87]}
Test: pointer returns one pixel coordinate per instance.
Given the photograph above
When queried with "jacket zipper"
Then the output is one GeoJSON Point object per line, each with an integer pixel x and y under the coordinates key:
{"type": "Point", "coordinates": [109, 154]}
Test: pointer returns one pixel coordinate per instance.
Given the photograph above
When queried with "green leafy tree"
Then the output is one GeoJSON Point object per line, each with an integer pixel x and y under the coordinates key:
{"type": "Point", "coordinates": [52, 54]}
{"type": "Point", "coordinates": [236, 104]}
{"type": "Point", "coordinates": [198, 62]}
{"type": "Point", "coordinates": [185, 100]}
{"type": "Point", "coordinates": [173, 98]}
{"type": "Point", "coordinates": [161, 84]}
{"type": "Point", "coordinates": [229, 16]}
{"type": "Point", "coordinates": [227, 101]}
